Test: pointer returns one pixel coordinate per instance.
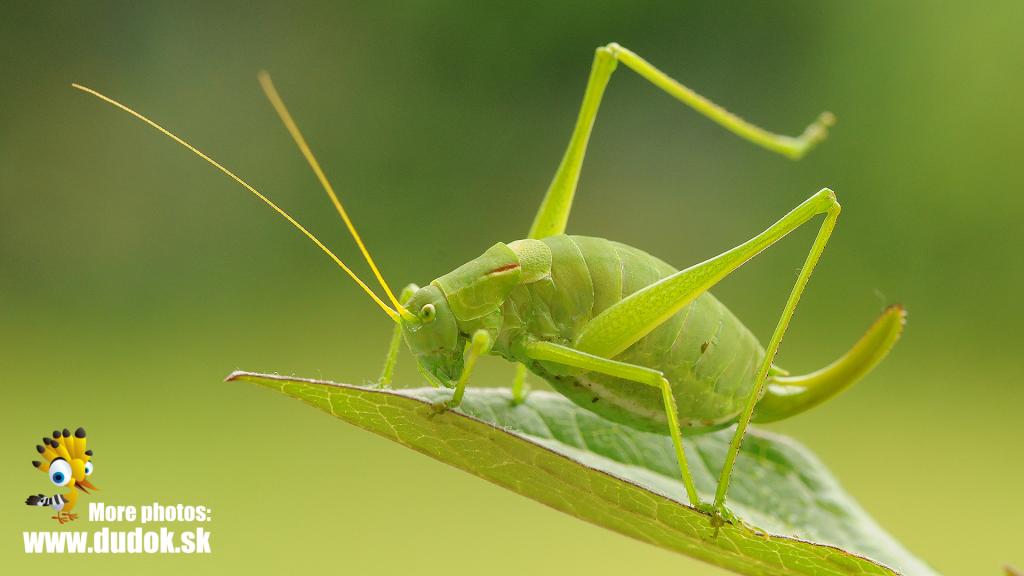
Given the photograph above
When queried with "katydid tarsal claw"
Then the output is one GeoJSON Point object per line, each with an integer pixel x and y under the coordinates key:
{"type": "Point", "coordinates": [611, 327]}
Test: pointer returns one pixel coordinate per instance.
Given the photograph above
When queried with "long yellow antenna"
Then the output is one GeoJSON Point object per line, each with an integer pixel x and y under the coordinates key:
{"type": "Point", "coordinates": [394, 315]}
{"type": "Point", "coordinates": [300, 141]}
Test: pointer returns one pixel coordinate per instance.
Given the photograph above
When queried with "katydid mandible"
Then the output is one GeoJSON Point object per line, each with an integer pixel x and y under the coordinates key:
{"type": "Point", "coordinates": [614, 329]}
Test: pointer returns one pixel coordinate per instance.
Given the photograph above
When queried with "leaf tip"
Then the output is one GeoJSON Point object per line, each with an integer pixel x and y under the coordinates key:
{"type": "Point", "coordinates": [237, 375]}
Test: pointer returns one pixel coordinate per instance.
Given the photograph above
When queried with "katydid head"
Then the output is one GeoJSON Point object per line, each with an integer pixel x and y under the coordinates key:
{"type": "Point", "coordinates": [439, 317]}
{"type": "Point", "coordinates": [433, 319]}
{"type": "Point", "coordinates": [432, 333]}
{"type": "Point", "coordinates": [429, 322]}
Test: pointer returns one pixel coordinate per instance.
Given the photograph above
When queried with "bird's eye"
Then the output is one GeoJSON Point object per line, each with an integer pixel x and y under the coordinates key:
{"type": "Point", "coordinates": [60, 472]}
{"type": "Point", "coordinates": [427, 313]}
{"type": "Point", "coordinates": [88, 468]}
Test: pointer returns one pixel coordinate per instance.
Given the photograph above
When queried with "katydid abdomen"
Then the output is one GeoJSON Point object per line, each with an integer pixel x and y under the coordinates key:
{"type": "Point", "coordinates": [706, 353]}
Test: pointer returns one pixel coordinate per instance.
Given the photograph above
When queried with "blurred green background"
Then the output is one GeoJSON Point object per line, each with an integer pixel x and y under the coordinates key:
{"type": "Point", "coordinates": [133, 277]}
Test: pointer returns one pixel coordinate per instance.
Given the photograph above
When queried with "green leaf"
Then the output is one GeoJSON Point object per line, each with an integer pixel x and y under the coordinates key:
{"type": "Point", "coordinates": [561, 455]}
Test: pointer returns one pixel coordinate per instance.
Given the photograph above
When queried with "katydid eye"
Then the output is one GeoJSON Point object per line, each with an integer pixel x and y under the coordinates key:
{"type": "Point", "coordinates": [88, 468]}
{"type": "Point", "coordinates": [427, 313]}
{"type": "Point", "coordinates": [60, 472]}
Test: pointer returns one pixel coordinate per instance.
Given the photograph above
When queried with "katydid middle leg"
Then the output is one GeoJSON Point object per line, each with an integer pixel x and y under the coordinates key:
{"type": "Point", "coordinates": [566, 356]}
{"type": "Point", "coordinates": [553, 215]}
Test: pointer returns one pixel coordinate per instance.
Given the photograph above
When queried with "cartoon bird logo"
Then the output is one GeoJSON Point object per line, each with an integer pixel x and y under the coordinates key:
{"type": "Point", "coordinates": [67, 463]}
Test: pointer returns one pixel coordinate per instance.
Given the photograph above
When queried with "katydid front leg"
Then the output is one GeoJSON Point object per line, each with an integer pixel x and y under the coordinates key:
{"type": "Point", "coordinates": [519, 386]}
{"type": "Point", "coordinates": [479, 345]}
{"type": "Point", "coordinates": [396, 342]}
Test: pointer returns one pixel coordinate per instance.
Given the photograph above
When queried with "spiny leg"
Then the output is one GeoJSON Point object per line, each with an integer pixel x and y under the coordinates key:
{"type": "Point", "coordinates": [553, 215]}
{"type": "Point", "coordinates": [831, 215]}
{"type": "Point", "coordinates": [551, 352]}
{"type": "Point", "coordinates": [621, 325]}
{"type": "Point", "coordinates": [396, 342]}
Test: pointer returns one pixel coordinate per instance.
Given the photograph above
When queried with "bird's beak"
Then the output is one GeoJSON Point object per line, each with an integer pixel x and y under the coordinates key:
{"type": "Point", "coordinates": [83, 484]}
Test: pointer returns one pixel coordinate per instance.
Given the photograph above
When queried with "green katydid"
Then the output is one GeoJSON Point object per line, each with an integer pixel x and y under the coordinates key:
{"type": "Point", "coordinates": [612, 328]}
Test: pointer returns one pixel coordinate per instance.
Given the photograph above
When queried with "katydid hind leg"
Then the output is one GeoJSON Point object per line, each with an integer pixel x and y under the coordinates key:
{"type": "Point", "coordinates": [831, 211]}
{"type": "Point", "coordinates": [623, 324]}
{"type": "Point", "coordinates": [553, 215]}
{"type": "Point", "coordinates": [629, 320]}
